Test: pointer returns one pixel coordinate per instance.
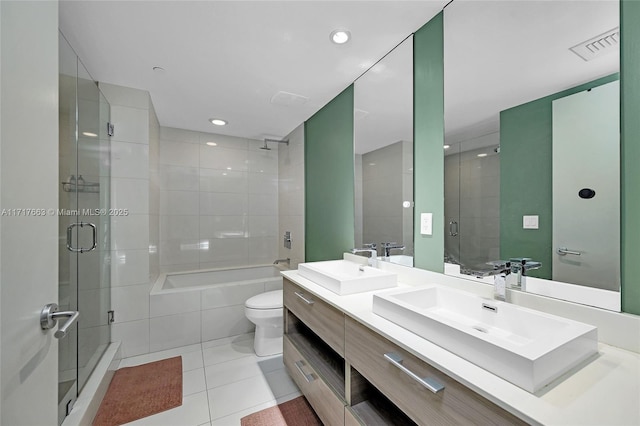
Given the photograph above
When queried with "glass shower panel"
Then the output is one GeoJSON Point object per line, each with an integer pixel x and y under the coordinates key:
{"type": "Point", "coordinates": [452, 204]}
{"type": "Point", "coordinates": [479, 234]}
{"type": "Point", "coordinates": [67, 203]}
{"type": "Point", "coordinates": [84, 195]}
{"type": "Point", "coordinates": [93, 194]}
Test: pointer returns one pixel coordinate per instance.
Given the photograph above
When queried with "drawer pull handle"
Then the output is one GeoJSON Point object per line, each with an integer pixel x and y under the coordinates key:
{"type": "Point", "coordinates": [308, 377]}
{"type": "Point", "coordinates": [301, 296]}
{"type": "Point", "coordinates": [431, 384]}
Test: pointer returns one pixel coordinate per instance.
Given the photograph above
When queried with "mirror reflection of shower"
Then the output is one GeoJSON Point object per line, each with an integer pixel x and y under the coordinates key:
{"type": "Point", "coordinates": [267, 140]}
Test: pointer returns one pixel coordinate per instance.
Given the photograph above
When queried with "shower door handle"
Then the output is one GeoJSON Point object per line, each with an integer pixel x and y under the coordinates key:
{"type": "Point", "coordinates": [94, 232]}
{"type": "Point", "coordinates": [50, 316]}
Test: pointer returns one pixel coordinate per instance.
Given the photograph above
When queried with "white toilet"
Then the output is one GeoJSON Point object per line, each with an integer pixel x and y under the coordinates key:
{"type": "Point", "coordinates": [265, 311]}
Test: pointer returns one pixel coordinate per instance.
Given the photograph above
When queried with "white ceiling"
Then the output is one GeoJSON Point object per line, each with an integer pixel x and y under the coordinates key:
{"type": "Point", "coordinates": [227, 59]}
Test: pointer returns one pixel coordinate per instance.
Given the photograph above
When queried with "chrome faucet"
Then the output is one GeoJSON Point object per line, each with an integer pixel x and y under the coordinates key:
{"type": "Point", "coordinates": [387, 247]}
{"type": "Point", "coordinates": [372, 253]}
{"type": "Point", "coordinates": [501, 270]}
{"type": "Point", "coordinates": [287, 261]}
{"type": "Point", "coordinates": [519, 268]}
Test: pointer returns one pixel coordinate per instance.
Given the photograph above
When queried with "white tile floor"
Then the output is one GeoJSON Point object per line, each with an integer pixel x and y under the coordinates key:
{"type": "Point", "coordinates": [223, 381]}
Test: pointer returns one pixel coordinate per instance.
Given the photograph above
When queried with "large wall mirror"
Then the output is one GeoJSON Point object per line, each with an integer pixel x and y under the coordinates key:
{"type": "Point", "coordinates": [532, 140]}
{"type": "Point", "coordinates": [383, 147]}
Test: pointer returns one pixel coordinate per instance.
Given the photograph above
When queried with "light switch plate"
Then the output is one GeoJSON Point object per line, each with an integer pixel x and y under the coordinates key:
{"type": "Point", "coordinates": [530, 222]}
{"type": "Point", "coordinates": [426, 223]}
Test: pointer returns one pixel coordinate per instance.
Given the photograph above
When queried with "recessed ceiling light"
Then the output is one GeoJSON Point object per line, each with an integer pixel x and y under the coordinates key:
{"type": "Point", "coordinates": [90, 134]}
{"type": "Point", "coordinates": [340, 36]}
{"type": "Point", "coordinates": [447, 146]}
{"type": "Point", "coordinates": [212, 144]}
{"type": "Point", "coordinates": [218, 121]}
{"type": "Point", "coordinates": [482, 155]}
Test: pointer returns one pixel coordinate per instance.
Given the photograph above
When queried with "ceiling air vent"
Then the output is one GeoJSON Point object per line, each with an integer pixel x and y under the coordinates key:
{"type": "Point", "coordinates": [288, 99]}
{"type": "Point", "coordinates": [597, 46]}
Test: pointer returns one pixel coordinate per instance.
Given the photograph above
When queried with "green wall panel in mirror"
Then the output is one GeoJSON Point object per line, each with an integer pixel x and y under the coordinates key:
{"type": "Point", "coordinates": [329, 185]}
{"type": "Point", "coordinates": [428, 118]}
{"type": "Point", "coordinates": [630, 153]}
{"type": "Point", "coordinates": [526, 185]}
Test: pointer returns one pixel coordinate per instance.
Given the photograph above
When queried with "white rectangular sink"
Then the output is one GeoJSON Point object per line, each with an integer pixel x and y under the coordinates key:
{"type": "Point", "coordinates": [525, 347]}
{"type": "Point", "coordinates": [344, 277]}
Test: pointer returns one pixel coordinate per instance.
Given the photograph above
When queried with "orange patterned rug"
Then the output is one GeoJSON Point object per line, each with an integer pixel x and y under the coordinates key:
{"type": "Point", "coordinates": [137, 392]}
{"type": "Point", "coordinates": [295, 412]}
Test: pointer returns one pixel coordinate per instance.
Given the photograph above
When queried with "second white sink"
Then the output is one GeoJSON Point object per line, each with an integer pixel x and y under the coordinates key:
{"type": "Point", "coordinates": [525, 347]}
{"type": "Point", "coordinates": [344, 277]}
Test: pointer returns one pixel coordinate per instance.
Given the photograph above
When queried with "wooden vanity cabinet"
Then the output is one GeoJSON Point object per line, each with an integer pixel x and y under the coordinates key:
{"type": "Point", "coordinates": [341, 368]}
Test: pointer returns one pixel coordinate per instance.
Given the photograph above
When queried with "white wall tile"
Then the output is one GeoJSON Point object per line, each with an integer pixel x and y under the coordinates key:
{"type": "Point", "coordinates": [224, 322]}
{"type": "Point", "coordinates": [130, 232]}
{"type": "Point", "coordinates": [271, 286]}
{"type": "Point", "coordinates": [263, 183]}
{"type": "Point", "coordinates": [174, 331]}
{"type": "Point", "coordinates": [212, 180]}
{"type": "Point", "coordinates": [176, 227]}
{"type": "Point", "coordinates": [263, 204]}
{"type": "Point", "coordinates": [224, 141]}
{"type": "Point", "coordinates": [178, 178]}
{"type": "Point", "coordinates": [176, 252]}
{"type": "Point", "coordinates": [222, 296]}
{"type": "Point", "coordinates": [130, 124]}
{"type": "Point", "coordinates": [220, 158]}
{"type": "Point", "coordinates": [219, 204]}
{"type": "Point", "coordinates": [179, 135]}
{"type": "Point", "coordinates": [263, 226]}
{"type": "Point", "coordinates": [224, 249]}
{"type": "Point", "coordinates": [179, 154]}
{"type": "Point", "coordinates": [131, 194]}
{"type": "Point", "coordinates": [130, 303]}
{"type": "Point", "coordinates": [134, 336]}
{"type": "Point", "coordinates": [261, 161]}
{"type": "Point", "coordinates": [174, 303]}
{"type": "Point", "coordinates": [263, 250]}
{"type": "Point", "coordinates": [179, 203]}
{"type": "Point", "coordinates": [129, 160]}
{"type": "Point", "coordinates": [223, 226]}
{"type": "Point", "coordinates": [129, 267]}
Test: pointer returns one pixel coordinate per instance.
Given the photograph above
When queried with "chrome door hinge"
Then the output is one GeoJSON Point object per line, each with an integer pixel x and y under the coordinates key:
{"type": "Point", "coordinates": [111, 317]}
{"type": "Point", "coordinates": [110, 129]}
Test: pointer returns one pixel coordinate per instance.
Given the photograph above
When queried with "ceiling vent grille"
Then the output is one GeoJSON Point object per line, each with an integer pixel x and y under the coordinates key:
{"type": "Point", "coordinates": [600, 45]}
{"type": "Point", "coordinates": [288, 99]}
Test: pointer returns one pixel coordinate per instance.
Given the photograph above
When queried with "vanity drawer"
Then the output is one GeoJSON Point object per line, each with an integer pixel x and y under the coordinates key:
{"type": "Point", "coordinates": [455, 404]}
{"type": "Point", "coordinates": [326, 321]}
{"type": "Point", "coordinates": [327, 405]}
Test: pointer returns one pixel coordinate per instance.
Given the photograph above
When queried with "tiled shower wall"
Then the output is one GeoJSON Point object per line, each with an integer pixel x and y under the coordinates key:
{"type": "Point", "coordinates": [218, 204]}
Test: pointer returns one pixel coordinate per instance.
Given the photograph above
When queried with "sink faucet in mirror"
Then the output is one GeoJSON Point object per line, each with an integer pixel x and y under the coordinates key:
{"type": "Point", "coordinates": [519, 268]}
{"type": "Point", "coordinates": [387, 247]}
{"type": "Point", "coordinates": [372, 251]}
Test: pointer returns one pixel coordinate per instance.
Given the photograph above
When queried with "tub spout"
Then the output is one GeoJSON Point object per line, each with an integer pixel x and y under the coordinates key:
{"type": "Point", "coordinates": [287, 261]}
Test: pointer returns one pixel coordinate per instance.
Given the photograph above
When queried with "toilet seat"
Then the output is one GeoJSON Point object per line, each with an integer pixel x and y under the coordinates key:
{"type": "Point", "coordinates": [268, 300]}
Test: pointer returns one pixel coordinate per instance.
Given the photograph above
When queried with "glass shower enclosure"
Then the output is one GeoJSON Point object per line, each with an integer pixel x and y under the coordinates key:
{"type": "Point", "coordinates": [84, 193]}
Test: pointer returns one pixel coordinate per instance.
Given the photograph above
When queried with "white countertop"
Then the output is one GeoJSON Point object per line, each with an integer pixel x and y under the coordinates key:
{"type": "Point", "coordinates": [606, 391]}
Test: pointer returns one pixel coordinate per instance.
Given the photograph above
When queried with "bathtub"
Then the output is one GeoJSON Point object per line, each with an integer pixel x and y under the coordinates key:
{"type": "Point", "coordinates": [198, 306]}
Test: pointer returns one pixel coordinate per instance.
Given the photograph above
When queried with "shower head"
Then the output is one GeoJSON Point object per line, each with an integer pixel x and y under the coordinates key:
{"type": "Point", "coordinates": [265, 147]}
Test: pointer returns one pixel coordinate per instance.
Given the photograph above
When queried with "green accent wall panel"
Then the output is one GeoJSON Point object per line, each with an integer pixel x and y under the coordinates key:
{"type": "Point", "coordinates": [428, 137]}
{"type": "Point", "coordinates": [329, 180]}
{"type": "Point", "coordinates": [630, 152]}
{"type": "Point", "coordinates": [525, 177]}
